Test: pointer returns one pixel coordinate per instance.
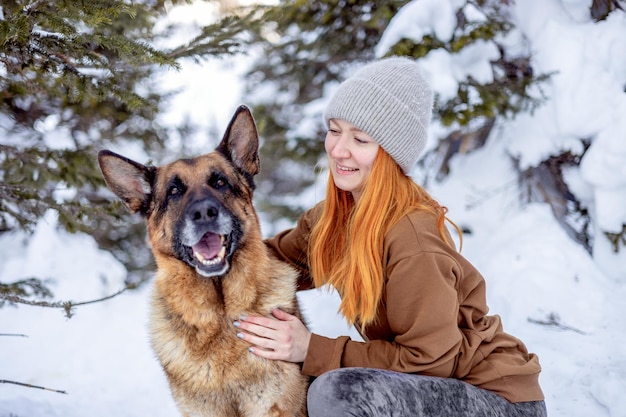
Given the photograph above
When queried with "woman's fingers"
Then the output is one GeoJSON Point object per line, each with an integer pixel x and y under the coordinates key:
{"type": "Point", "coordinates": [282, 337]}
{"type": "Point", "coordinates": [262, 342]}
{"type": "Point", "coordinates": [267, 328]}
{"type": "Point", "coordinates": [265, 322]}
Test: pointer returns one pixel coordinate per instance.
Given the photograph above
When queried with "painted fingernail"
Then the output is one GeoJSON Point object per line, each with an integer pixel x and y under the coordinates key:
{"type": "Point", "coordinates": [240, 335]}
{"type": "Point", "coordinates": [251, 349]}
{"type": "Point", "coordinates": [236, 324]}
{"type": "Point", "coordinates": [243, 317]}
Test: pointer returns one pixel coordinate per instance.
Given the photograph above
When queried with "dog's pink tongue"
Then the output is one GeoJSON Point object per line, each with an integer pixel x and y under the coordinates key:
{"type": "Point", "coordinates": [209, 246]}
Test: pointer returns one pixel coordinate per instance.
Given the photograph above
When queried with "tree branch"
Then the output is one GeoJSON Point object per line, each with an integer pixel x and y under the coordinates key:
{"type": "Point", "coordinates": [65, 305]}
{"type": "Point", "coordinates": [4, 381]}
{"type": "Point", "coordinates": [553, 319]}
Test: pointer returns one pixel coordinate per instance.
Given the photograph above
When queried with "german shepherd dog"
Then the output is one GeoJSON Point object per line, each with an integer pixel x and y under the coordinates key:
{"type": "Point", "coordinates": [212, 268]}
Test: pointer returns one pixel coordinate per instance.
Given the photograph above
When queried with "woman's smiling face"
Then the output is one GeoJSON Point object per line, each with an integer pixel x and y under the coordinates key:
{"type": "Point", "coordinates": [352, 153]}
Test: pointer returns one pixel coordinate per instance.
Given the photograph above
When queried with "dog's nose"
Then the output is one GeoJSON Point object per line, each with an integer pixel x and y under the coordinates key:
{"type": "Point", "coordinates": [202, 211]}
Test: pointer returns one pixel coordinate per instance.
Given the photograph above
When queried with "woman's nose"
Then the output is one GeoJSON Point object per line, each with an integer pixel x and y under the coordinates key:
{"type": "Point", "coordinates": [339, 149]}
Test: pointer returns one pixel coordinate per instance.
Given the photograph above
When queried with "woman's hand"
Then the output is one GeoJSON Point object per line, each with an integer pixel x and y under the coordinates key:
{"type": "Point", "coordinates": [283, 337]}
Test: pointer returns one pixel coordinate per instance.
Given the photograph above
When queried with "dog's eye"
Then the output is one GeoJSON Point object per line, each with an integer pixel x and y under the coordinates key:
{"type": "Point", "coordinates": [175, 187]}
{"type": "Point", "coordinates": [218, 182]}
{"type": "Point", "coordinates": [174, 190]}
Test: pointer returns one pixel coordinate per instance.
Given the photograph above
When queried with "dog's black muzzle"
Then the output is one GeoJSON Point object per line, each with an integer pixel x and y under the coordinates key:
{"type": "Point", "coordinates": [207, 236]}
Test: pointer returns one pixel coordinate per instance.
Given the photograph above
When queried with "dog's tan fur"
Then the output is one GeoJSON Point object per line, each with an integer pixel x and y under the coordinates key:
{"type": "Point", "coordinates": [209, 369]}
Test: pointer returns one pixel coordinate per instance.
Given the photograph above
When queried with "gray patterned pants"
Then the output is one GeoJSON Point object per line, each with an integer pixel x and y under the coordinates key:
{"type": "Point", "coordinates": [364, 392]}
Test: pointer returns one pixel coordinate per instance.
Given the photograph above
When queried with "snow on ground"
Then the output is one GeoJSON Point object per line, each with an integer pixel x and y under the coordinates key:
{"type": "Point", "coordinates": [565, 304]}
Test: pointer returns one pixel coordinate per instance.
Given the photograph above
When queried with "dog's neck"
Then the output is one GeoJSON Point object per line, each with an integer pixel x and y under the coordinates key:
{"type": "Point", "coordinates": [233, 294]}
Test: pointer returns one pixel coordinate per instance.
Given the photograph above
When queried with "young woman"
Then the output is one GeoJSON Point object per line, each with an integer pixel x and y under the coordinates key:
{"type": "Point", "coordinates": [379, 238]}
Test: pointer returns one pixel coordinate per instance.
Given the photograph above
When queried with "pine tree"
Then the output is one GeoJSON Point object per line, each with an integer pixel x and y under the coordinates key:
{"type": "Point", "coordinates": [84, 70]}
{"type": "Point", "coordinates": [310, 43]}
{"type": "Point", "coordinates": [305, 45]}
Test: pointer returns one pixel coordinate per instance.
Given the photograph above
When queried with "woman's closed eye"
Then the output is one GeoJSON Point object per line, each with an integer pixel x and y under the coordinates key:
{"type": "Point", "coordinates": [361, 140]}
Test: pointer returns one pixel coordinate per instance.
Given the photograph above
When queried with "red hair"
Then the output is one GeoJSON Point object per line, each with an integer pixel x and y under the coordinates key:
{"type": "Point", "coordinates": [350, 258]}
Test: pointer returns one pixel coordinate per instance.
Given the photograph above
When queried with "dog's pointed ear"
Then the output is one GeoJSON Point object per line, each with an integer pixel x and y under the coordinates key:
{"type": "Point", "coordinates": [129, 180]}
{"type": "Point", "coordinates": [241, 142]}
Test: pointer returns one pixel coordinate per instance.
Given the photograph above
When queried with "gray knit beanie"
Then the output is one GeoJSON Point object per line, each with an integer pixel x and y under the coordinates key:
{"type": "Point", "coordinates": [391, 102]}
